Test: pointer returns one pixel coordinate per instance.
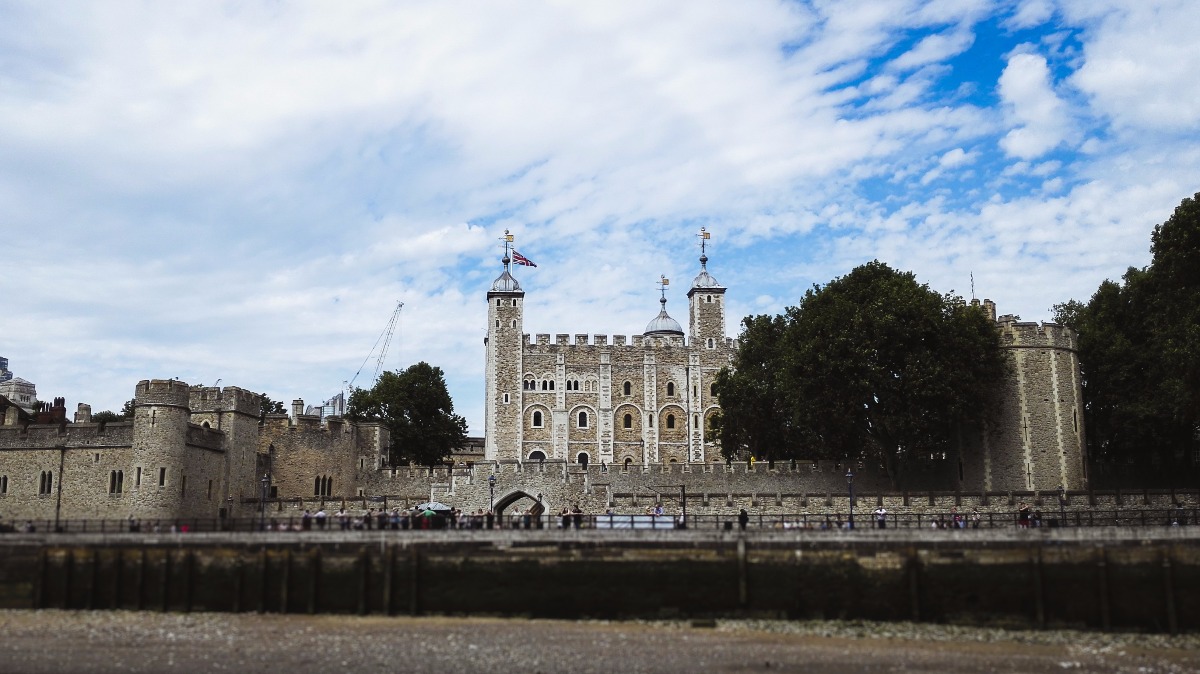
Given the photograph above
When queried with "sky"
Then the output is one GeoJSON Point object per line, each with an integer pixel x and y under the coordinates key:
{"type": "Point", "coordinates": [242, 192]}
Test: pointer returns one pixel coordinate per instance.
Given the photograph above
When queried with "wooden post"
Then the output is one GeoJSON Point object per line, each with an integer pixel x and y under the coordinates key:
{"type": "Point", "coordinates": [284, 580]}
{"type": "Point", "coordinates": [388, 570]}
{"type": "Point", "coordinates": [414, 583]}
{"type": "Point", "coordinates": [239, 573]}
{"type": "Point", "coordinates": [95, 580]}
{"type": "Point", "coordinates": [68, 571]}
{"type": "Point", "coordinates": [262, 580]}
{"type": "Point", "coordinates": [743, 592]}
{"type": "Point", "coordinates": [1169, 589]}
{"type": "Point", "coordinates": [1102, 573]}
{"type": "Point", "coordinates": [1039, 591]}
{"type": "Point", "coordinates": [361, 565]}
{"type": "Point", "coordinates": [166, 581]}
{"type": "Point", "coordinates": [314, 580]}
{"type": "Point", "coordinates": [141, 581]}
{"type": "Point", "coordinates": [118, 577]}
{"type": "Point", "coordinates": [914, 583]}
{"type": "Point", "coordinates": [189, 565]}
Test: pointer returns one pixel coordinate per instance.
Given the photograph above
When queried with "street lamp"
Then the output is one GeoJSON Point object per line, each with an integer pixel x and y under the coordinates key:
{"type": "Point", "coordinates": [492, 491]}
{"type": "Point", "coordinates": [1062, 506]}
{"type": "Point", "coordinates": [262, 502]}
{"type": "Point", "coordinates": [850, 486]}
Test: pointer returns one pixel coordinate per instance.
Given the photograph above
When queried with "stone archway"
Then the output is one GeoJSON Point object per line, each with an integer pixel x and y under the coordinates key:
{"type": "Point", "coordinates": [520, 502]}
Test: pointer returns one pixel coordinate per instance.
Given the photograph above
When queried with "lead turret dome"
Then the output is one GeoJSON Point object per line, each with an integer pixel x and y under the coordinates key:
{"type": "Point", "coordinates": [664, 324]}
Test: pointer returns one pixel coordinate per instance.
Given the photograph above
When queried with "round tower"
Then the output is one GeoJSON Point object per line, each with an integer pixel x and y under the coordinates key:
{"type": "Point", "coordinates": [503, 368]}
{"type": "Point", "coordinates": [160, 428]}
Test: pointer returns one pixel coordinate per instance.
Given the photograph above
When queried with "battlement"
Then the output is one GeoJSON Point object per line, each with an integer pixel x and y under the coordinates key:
{"type": "Point", "coordinates": [51, 436]}
{"type": "Point", "coordinates": [542, 342]}
{"type": "Point", "coordinates": [1017, 333]}
{"type": "Point", "coordinates": [228, 399]}
{"type": "Point", "coordinates": [205, 438]}
{"type": "Point", "coordinates": [171, 392]}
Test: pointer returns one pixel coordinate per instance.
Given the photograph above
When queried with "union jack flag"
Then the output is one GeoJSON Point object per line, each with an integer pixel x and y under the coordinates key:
{"type": "Point", "coordinates": [521, 259]}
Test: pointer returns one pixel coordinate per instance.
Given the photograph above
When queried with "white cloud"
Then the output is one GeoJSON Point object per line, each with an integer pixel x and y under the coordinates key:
{"type": "Point", "coordinates": [245, 191]}
{"type": "Point", "coordinates": [1041, 120]}
{"type": "Point", "coordinates": [1030, 13]}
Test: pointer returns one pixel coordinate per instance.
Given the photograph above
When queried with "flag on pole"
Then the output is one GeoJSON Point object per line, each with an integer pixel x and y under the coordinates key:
{"type": "Point", "coordinates": [521, 259]}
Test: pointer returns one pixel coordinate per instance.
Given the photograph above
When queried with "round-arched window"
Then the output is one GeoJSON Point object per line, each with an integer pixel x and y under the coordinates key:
{"type": "Point", "coordinates": [628, 421]}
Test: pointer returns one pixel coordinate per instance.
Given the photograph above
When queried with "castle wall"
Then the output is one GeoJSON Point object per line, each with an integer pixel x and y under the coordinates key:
{"type": "Point", "coordinates": [80, 457]}
{"type": "Point", "coordinates": [306, 451]}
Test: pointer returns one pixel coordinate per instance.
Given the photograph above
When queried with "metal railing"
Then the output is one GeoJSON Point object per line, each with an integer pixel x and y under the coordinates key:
{"type": "Point", "coordinates": [725, 522]}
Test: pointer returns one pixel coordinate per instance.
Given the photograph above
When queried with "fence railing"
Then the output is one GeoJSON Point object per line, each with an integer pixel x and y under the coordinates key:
{"type": "Point", "coordinates": [727, 522]}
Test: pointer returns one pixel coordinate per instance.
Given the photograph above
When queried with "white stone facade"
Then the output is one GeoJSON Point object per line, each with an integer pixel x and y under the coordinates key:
{"type": "Point", "coordinates": [642, 400]}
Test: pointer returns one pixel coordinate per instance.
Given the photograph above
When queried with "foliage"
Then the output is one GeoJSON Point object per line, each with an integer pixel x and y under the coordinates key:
{"type": "Point", "coordinates": [1139, 350]}
{"type": "Point", "coordinates": [416, 408]}
{"type": "Point", "coordinates": [107, 416]}
{"type": "Point", "coordinates": [267, 406]}
{"type": "Point", "coordinates": [872, 365]}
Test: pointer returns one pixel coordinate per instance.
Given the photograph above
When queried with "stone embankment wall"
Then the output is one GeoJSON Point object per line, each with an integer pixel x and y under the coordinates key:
{"type": "Point", "coordinates": [1133, 580]}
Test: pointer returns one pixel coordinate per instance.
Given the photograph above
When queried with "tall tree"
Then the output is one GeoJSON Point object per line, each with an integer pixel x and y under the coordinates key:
{"type": "Point", "coordinates": [416, 408]}
{"type": "Point", "coordinates": [267, 406]}
{"type": "Point", "coordinates": [1139, 351]}
{"type": "Point", "coordinates": [872, 365]}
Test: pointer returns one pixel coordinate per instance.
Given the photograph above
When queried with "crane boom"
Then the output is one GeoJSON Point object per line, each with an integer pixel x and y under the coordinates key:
{"type": "Point", "coordinates": [386, 339]}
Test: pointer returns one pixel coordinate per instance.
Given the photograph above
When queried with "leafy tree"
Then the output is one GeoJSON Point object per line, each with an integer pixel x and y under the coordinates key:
{"type": "Point", "coordinates": [872, 365]}
{"type": "Point", "coordinates": [267, 406]}
{"type": "Point", "coordinates": [416, 408]}
{"type": "Point", "coordinates": [1139, 351]}
{"type": "Point", "coordinates": [109, 416]}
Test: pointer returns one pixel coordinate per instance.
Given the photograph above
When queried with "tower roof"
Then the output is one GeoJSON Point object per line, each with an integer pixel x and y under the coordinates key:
{"type": "Point", "coordinates": [704, 280]}
{"type": "Point", "coordinates": [505, 283]}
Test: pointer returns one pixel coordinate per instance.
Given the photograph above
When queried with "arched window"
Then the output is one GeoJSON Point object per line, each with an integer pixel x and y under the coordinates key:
{"type": "Point", "coordinates": [670, 389]}
{"type": "Point", "coordinates": [318, 482]}
{"type": "Point", "coordinates": [46, 482]}
{"type": "Point", "coordinates": [582, 459]}
{"type": "Point", "coordinates": [583, 419]}
{"type": "Point", "coordinates": [711, 343]}
{"type": "Point", "coordinates": [537, 419]}
{"type": "Point", "coordinates": [3, 484]}
{"type": "Point", "coordinates": [627, 422]}
{"type": "Point", "coordinates": [670, 421]}
{"type": "Point", "coordinates": [116, 482]}
{"type": "Point", "coordinates": [712, 389]}
{"type": "Point", "coordinates": [650, 420]}
{"type": "Point", "coordinates": [695, 421]}
{"type": "Point", "coordinates": [628, 461]}
{"type": "Point", "coordinates": [628, 388]}
{"type": "Point", "coordinates": [537, 455]}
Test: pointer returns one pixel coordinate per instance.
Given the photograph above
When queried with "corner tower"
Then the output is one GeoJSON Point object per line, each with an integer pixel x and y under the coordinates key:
{"type": "Point", "coordinates": [706, 304]}
{"type": "Point", "coordinates": [503, 368]}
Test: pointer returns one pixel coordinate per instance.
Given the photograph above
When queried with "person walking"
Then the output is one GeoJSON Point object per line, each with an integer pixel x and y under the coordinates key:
{"type": "Point", "coordinates": [881, 517]}
{"type": "Point", "coordinates": [743, 519]}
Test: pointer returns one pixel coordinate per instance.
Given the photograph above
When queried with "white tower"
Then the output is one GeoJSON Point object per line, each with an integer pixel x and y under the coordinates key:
{"type": "Point", "coordinates": [503, 369]}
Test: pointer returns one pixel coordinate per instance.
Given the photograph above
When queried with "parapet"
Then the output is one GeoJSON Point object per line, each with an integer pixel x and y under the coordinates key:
{"type": "Point", "coordinates": [228, 399]}
{"type": "Point", "coordinates": [169, 392]}
{"type": "Point", "coordinates": [1016, 333]}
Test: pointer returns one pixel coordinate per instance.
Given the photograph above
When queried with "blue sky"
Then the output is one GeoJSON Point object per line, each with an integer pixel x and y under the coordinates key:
{"type": "Point", "coordinates": [243, 191]}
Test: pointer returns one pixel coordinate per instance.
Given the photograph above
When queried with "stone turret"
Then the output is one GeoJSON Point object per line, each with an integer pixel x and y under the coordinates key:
{"type": "Point", "coordinates": [503, 367]}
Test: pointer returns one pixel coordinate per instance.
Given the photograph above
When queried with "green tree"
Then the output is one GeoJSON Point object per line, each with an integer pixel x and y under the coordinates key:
{"type": "Point", "coordinates": [416, 408]}
{"type": "Point", "coordinates": [109, 416]}
{"type": "Point", "coordinates": [873, 365]}
{"type": "Point", "coordinates": [267, 406]}
{"type": "Point", "coordinates": [1139, 352]}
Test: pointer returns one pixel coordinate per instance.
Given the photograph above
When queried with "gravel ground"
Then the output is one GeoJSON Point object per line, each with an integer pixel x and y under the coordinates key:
{"type": "Point", "coordinates": [120, 641]}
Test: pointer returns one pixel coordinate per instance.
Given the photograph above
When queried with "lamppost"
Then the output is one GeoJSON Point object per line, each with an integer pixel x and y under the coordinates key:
{"type": "Point", "coordinates": [850, 486]}
{"type": "Point", "coordinates": [1062, 506]}
{"type": "Point", "coordinates": [262, 502]}
{"type": "Point", "coordinates": [492, 491]}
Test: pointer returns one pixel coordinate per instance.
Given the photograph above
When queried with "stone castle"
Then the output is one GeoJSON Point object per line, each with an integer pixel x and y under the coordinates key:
{"type": "Point", "coordinates": [604, 424]}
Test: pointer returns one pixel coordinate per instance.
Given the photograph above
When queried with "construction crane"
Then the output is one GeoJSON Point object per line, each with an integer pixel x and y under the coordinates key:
{"type": "Point", "coordinates": [386, 338]}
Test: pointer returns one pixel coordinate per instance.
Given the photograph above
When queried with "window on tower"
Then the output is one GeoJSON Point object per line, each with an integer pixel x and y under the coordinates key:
{"type": "Point", "coordinates": [537, 419]}
{"type": "Point", "coordinates": [583, 419]}
{"type": "Point", "coordinates": [628, 388]}
{"type": "Point", "coordinates": [670, 421]}
{"type": "Point", "coordinates": [627, 422]}
{"type": "Point", "coordinates": [670, 388]}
